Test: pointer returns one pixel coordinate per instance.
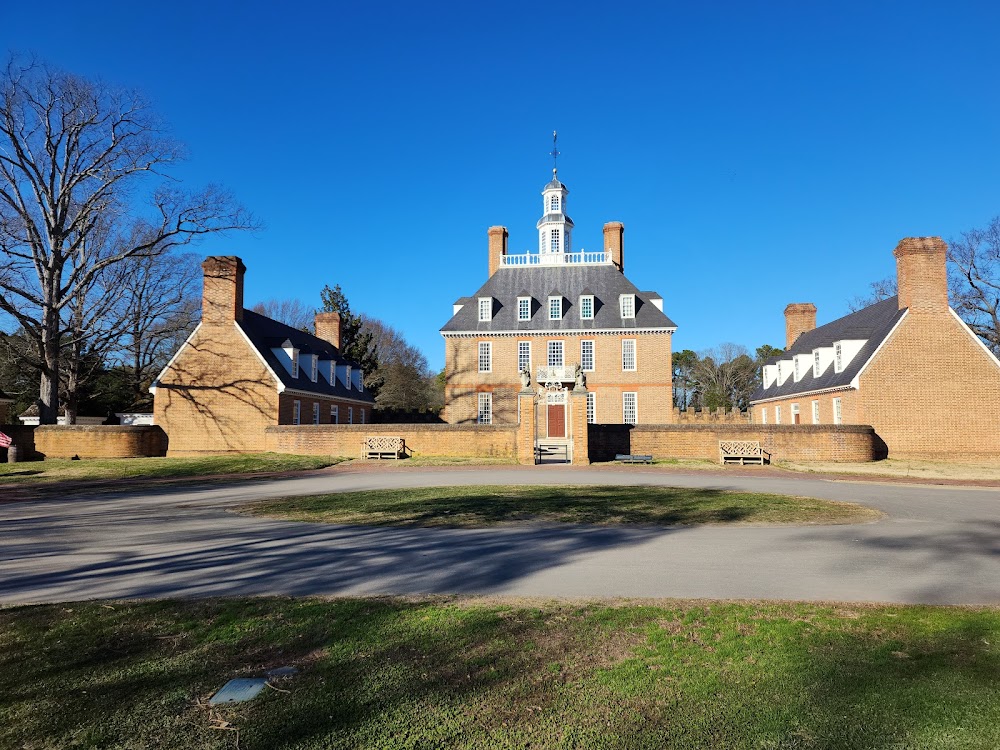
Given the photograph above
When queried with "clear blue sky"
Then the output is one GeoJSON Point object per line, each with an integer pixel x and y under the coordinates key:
{"type": "Point", "coordinates": [758, 153]}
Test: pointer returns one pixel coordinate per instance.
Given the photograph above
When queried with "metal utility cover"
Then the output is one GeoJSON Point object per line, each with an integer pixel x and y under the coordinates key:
{"type": "Point", "coordinates": [238, 690]}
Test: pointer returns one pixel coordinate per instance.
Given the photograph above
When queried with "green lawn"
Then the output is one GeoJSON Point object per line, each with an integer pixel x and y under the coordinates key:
{"type": "Point", "coordinates": [56, 470]}
{"type": "Point", "coordinates": [606, 505]}
{"type": "Point", "coordinates": [392, 673]}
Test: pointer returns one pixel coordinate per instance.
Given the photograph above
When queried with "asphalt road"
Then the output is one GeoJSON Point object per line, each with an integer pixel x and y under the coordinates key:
{"type": "Point", "coordinates": [937, 545]}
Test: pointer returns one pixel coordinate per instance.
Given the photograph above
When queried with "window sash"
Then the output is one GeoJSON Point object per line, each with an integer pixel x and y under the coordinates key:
{"type": "Point", "coordinates": [296, 412]}
{"type": "Point", "coordinates": [777, 415]}
{"type": "Point", "coordinates": [554, 240]}
{"type": "Point", "coordinates": [524, 308]}
{"type": "Point", "coordinates": [591, 408]}
{"type": "Point", "coordinates": [629, 408]}
{"type": "Point", "coordinates": [627, 304]}
{"type": "Point", "coordinates": [838, 411]}
{"type": "Point", "coordinates": [587, 356]}
{"type": "Point", "coordinates": [555, 308]}
{"type": "Point", "coordinates": [628, 355]}
{"type": "Point", "coordinates": [350, 415]}
{"type": "Point", "coordinates": [555, 354]}
{"type": "Point", "coordinates": [815, 412]}
{"type": "Point", "coordinates": [485, 310]}
{"type": "Point", "coordinates": [485, 414]}
{"type": "Point", "coordinates": [295, 363]}
{"type": "Point", "coordinates": [348, 377]}
{"type": "Point", "coordinates": [763, 415]}
{"type": "Point", "coordinates": [586, 308]}
{"type": "Point", "coordinates": [315, 413]}
{"type": "Point", "coordinates": [335, 414]}
{"type": "Point", "coordinates": [523, 355]}
{"type": "Point", "coordinates": [485, 356]}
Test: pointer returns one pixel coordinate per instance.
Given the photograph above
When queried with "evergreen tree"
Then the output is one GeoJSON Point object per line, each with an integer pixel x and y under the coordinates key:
{"type": "Point", "coordinates": [355, 344]}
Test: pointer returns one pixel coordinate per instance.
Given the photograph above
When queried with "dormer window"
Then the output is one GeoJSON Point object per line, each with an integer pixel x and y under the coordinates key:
{"type": "Point", "coordinates": [779, 373]}
{"type": "Point", "coordinates": [795, 361]}
{"type": "Point", "coordinates": [295, 363]}
{"type": "Point", "coordinates": [627, 304]}
{"type": "Point", "coordinates": [524, 308]}
{"type": "Point", "coordinates": [348, 377]}
{"type": "Point", "coordinates": [314, 366]}
{"type": "Point", "coordinates": [838, 357]}
{"type": "Point", "coordinates": [555, 308]}
{"type": "Point", "coordinates": [485, 309]}
{"type": "Point", "coordinates": [361, 383]}
{"type": "Point", "coordinates": [817, 368]}
{"type": "Point", "coordinates": [554, 203]}
{"type": "Point", "coordinates": [587, 307]}
{"type": "Point", "coordinates": [554, 241]}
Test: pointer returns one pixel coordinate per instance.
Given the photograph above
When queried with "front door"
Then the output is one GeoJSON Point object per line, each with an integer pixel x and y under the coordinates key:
{"type": "Point", "coordinates": [557, 420]}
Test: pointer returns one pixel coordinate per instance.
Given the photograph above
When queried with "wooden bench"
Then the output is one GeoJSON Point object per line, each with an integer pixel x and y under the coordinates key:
{"type": "Point", "coordinates": [743, 452]}
{"type": "Point", "coordinates": [384, 446]}
{"type": "Point", "coordinates": [626, 458]}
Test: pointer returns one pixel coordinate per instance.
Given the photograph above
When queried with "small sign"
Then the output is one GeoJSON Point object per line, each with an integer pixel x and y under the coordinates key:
{"type": "Point", "coordinates": [5, 441]}
{"type": "Point", "coordinates": [238, 690]}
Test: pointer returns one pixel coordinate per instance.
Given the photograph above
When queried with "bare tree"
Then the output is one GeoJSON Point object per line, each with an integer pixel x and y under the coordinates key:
{"type": "Point", "coordinates": [974, 277]}
{"type": "Point", "coordinates": [726, 375]}
{"type": "Point", "coordinates": [291, 312]}
{"type": "Point", "coordinates": [877, 291]}
{"type": "Point", "coordinates": [407, 384]}
{"type": "Point", "coordinates": [74, 154]}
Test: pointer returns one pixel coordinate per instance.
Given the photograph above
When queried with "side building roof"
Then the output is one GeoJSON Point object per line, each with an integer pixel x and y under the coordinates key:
{"type": "Point", "coordinates": [872, 323]}
{"type": "Point", "coordinates": [604, 282]}
{"type": "Point", "coordinates": [265, 334]}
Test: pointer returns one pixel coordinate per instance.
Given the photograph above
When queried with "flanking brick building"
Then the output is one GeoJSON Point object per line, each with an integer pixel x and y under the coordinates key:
{"type": "Point", "coordinates": [240, 372]}
{"type": "Point", "coordinates": [554, 314]}
{"type": "Point", "coordinates": [908, 366]}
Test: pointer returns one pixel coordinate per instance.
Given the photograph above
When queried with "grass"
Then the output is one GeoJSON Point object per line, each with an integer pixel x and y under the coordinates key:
{"type": "Point", "coordinates": [392, 673]}
{"type": "Point", "coordinates": [973, 469]}
{"type": "Point", "coordinates": [605, 505]}
{"type": "Point", "coordinates": [57, 470]}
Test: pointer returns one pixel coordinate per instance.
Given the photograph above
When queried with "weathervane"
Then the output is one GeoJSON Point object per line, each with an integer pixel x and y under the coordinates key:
{"type": "Point", "coordinates": [555, 153]}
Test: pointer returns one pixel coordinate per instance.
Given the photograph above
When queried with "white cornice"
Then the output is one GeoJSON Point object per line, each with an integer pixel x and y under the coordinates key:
{"type": "Point", "coordinates": [558, 332]}
{"type": "Point", "coordinates": [802, 394]}
{"type": "Point", "coordinates": [327, 396]}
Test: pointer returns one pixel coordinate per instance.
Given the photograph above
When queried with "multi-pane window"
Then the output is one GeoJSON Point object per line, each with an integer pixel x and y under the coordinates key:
{"type": "Point", "coordinates": [763, 415]}
{"type": "Point", "coordinates": [485, 309]}
{"type": "Point", "coordinates": [838, 414]}
{"type": "Point", "coordinates": [315, 413]}
{"type": "Point", "coordinates": [628, 354]}
{"type": "Point", "coordinates": [523, 355]}
{"type": "Point", "coordinates": [554, 203]}
{"type": "Point", "coordinates": [350, 415]}
{"type": "Point", "coordinates": [524, 308]}
{"type": "Point", "coordinates": [587, 355]}
{"type": "Point", "coordinates": [361, 380]}
{"type": "Point", "coordinates": [779, 373]}
{"type": "Point", "coordinates": [815, 409]}
{"type": "Point", "coordinates": [555, 354]}
{"type": "Point", "coordinates": [295, 363]}
{"type": "Point", "coordinates": [361, 413]}
{"type": "Point", "coordinates": [554, 240]}
{"type": "Point", "coordinates": [296, 412]}
{"type": "Point", "coordinates": [555, 308]}
{"type": "Point", "coordinates": [629, 408]}
{"type": "Point", "coordinates": [591, 407]}
{"type": "Point", "coordinates": [485, 356]}
{"type": "Point", "coordinates": [838, 358]}
{"type": "Point", "coordinates": [312, 369]}
{"type": "Point", "coordinates": [816, 366]}
{"type": "Point", "coordinates": [485, 408]}
{"type": "Point", "coordinates": [334, 414]}
{"type": "Point", "coordinates": [777, 415]}
{"type": "Point", "coordinates": [795, 364]}
{"type": "Point", "coordinates": [586, 307]}
{"type": "Point", "coordinates": [348, 377]}
{"type": "Point", "coordinates": [627, 304]}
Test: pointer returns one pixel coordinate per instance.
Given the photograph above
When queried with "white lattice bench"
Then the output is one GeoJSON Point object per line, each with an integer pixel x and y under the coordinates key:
{"type": "Point", "coordinates": [384, 446]}
{"type": "Point", "coordinates": [743, 452]}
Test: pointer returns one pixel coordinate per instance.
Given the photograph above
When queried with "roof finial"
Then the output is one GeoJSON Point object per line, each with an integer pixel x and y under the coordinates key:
{"type": "Point", "coordinates": [555, 154]}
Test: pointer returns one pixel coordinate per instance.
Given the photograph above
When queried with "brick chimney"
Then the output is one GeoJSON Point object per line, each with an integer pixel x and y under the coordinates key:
{"type": "Point", "coordinates": [222, 295]}
{"type": "Point", "coordinates": [498, 247]}
{"type": "Point", "coordinates": [921, 274]}
{"type": "Point", "coordinates": [800, 317]}
{"type": "Point", "coordinates": [614, 244]}
{"type": "Point", "coordinates": [328, 327]}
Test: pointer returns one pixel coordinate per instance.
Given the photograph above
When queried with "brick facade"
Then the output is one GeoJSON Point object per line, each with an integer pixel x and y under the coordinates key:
{"type": "Point", "coordinates": [99, 441]}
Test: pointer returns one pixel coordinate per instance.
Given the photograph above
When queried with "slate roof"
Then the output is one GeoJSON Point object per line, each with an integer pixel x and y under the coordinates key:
{"type": "Point", "coordinates": [265, 333]}
{"type": "Point", "coordinates": [605, 282]}
{"type": "Point", "coordinates": [872, 323]}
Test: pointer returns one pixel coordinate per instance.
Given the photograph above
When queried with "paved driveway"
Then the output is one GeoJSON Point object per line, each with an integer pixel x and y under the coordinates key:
{"type": "Point", "coordinates": [938, 545]}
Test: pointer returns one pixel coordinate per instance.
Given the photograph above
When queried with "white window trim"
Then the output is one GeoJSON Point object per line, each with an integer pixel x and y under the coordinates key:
{"type": "Point", "coordinates": [560, 301]}
{"type": "Point", "coordinates": [795, 410]}
{"type": "Point", "coordinates": [519, 345]}
{"type": "Point", "coordinates": [562, 353]}
{"type": "Point", "coordinates": [520, 317]}
{"type": "Point", "coordinates": [763, 415]}
{"type": "Point", "coordinates": [485, 400]}
{"type": "Point", "coordinates": [348, 371]}
{"type": "Point", "coordinates": [777, 414]}
{"type": "Point", "coordinates": [296, 412]}
{"type": "Point", "coordinates": [635, 406]}
{"type": "Point", "coordinates": [487, 347]}
{"type": "Point", "coordinates": [485, 309]}
{"type": "Point", "coordinates": [838, 411]}
{"type": "Point", "coordinates": [635, 356]}
{"type": "Point", "coordinates": [334, 414]}
{"type": "Point", "coordinates": [361, 414]}
{"type": "Point", "coordinates": [593, 356]}
{"type": "Point", "coordinates": [314, 367]}
{"type": "Point", "coordinates": [591, 408]}
{"type": "Point", "coordinates": [315, 412]}
{"type": "Point", "coordinates": [622, 300]}
{"type": "Point", "coordinates": [587, 297]}
{"type": "Point", "coordinates": [815, 411]}
{"type": "Point", "coordinates": [350, 415]}
{"type": "Point", "coordinates": [295, 363]}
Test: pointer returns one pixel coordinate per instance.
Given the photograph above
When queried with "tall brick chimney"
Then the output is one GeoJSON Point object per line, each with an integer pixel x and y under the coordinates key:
{"type": "Point", "coordinates": [800, 317]}
{"type": "Point", "coordinates": [614, 243]}
{"type": "Point", "coordinates": [498, 247]}
{"type": "Point", "coordinates": [222, 295]}
{"type": "Point", "coordinates": [922, 274]}
{"type": "Point", "coordinates": [328, 327]}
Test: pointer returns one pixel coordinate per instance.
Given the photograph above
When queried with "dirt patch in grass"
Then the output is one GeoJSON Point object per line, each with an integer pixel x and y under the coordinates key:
{"type": "Point", "coordinates": [601, 505]}
{"type": "Point", "coordinates": [451, 672]}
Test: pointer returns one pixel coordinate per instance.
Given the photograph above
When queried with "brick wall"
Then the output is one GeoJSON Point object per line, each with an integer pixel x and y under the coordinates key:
{"type": "Point", "coordinates": [423, 440]}
{"type": "Point", "coordinates": [725, 416]}
{"type": "Point", "coordinates": [848, 409]}
{"type": "Point", "coordinates": [789, 443]}
{"type": "Point", "coordinates": [361, 414]}
{"type": "Point", "coordinates": [651, 381]}
{"type": "Point", "coordinates": [217, 395]}
{"type": "Point", "coordinates": [99, 441]}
